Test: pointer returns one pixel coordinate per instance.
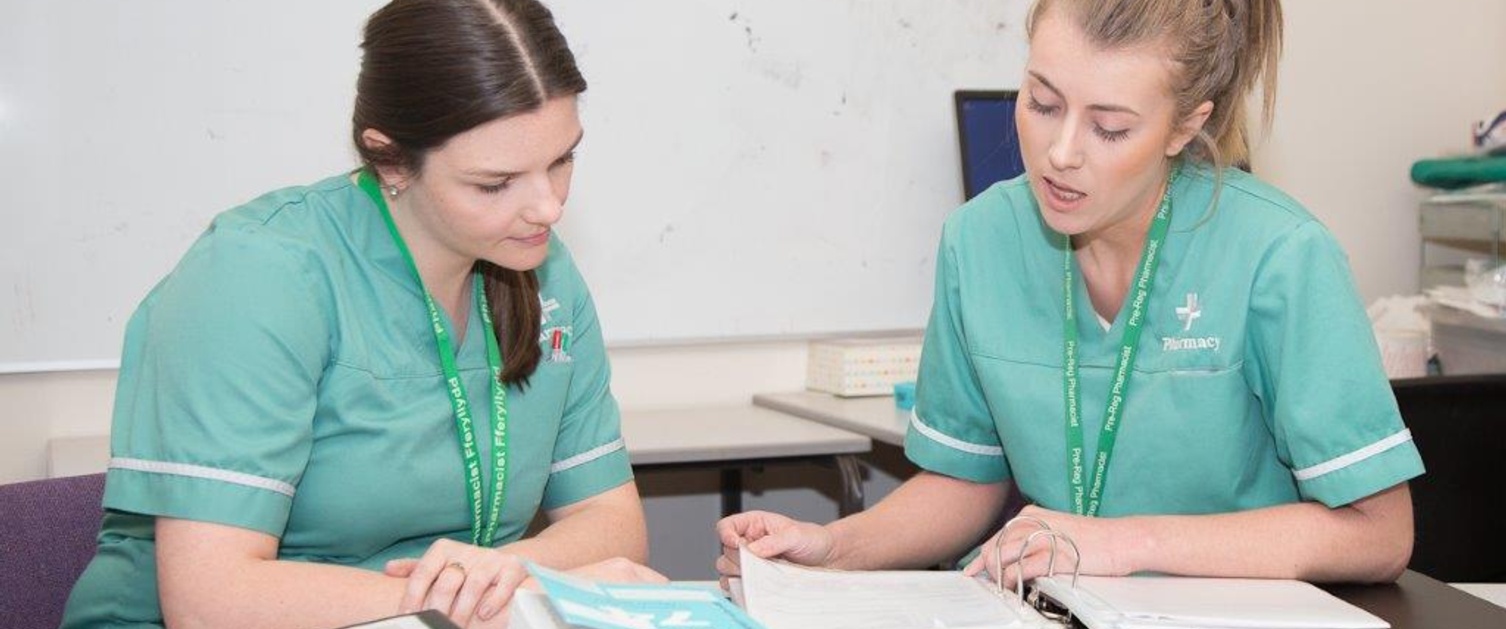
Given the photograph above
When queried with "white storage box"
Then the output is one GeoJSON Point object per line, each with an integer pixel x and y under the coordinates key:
{"type": "Point", "coordinates": [1467, 343]}
{"type": "Point", "coordinates": [862, 366]}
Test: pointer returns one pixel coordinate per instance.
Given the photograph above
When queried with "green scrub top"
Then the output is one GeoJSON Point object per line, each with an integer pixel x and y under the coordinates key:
{"type": "Point", "coordinates": [284, 378]}
{"type": "Point", "coordinates": [1257, 383]}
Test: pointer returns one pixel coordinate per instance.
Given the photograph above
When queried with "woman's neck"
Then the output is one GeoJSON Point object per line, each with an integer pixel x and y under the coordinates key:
{"type": "Point", "coordinates": [445, 275]}
{"type": "Point", "coordinates": [1110, 256]}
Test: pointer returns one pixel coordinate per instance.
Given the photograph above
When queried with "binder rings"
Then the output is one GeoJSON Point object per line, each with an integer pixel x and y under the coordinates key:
{"type": "Point", "coordinates": [785, 596]}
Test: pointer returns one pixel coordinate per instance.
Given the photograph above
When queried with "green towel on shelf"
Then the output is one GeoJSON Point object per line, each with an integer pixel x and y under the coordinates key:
{"type": "Point", "coordinates": [1459, 172]}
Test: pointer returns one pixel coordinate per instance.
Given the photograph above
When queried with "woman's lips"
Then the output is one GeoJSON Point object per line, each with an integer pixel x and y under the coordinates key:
{"type": "Point", "coordinates": [1061, 197]}
{"type": "Point", "coordinates": [535, 240]}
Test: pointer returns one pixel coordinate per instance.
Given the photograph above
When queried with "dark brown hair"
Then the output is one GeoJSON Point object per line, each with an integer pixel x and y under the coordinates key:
{"type": "Point", "coordinates": [1221, 50]}
{"type": "Point", "coordinates": [433, 69]}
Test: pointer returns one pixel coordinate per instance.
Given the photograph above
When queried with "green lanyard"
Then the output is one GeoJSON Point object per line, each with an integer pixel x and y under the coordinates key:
{"type": "Point", "coordinates": [1123, 362]}
{"type": "Point", "coordinates": [481, 534]}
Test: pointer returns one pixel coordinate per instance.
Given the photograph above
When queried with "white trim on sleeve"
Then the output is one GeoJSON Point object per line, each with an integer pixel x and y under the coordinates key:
{"type": "Point", "coordinates": [200, 471]}
{"type": "Point", "coordinates": [1341, 462]}
{"type": "Point", "coordinates": [587, 456]}
{"type": "Point", "coordinates": [953, 442]}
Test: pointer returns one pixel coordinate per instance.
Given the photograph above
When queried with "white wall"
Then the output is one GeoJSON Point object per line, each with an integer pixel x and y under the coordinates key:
{"type": "Point", "coordinates": [1366, 89]}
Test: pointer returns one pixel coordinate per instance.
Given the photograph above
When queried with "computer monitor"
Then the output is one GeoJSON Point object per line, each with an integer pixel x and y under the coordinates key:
{"type": "Point", "coordinates": [986, 134]}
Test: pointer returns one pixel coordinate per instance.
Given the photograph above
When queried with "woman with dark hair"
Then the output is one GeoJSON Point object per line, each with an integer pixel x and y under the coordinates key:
{"type": "Point", "coordinates": [1167, 356]}
{"type": "Point", "coordinates": [350, 399]}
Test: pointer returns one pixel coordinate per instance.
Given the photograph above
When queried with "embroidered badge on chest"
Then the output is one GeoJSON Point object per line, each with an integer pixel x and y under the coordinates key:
{"type": "Point", "coordinates": [555, 339]}
{"type": "Point", "coordinates": [558, 340]}
{"type": "Point", "coordinates": [1188, 314]}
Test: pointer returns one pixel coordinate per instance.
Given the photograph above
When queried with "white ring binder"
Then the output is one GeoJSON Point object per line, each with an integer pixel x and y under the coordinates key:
{"type": "Point", "coordinates": [999, 551]}
{"type": "Point", "coordinates": [1042, 604]}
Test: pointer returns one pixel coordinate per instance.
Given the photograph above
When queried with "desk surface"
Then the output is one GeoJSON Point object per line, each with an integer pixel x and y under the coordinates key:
{"type": "Point", "coordinates": [874, 417]}
{"type": "Point", "coordinates": [692, 435]}
{"type": "Point", "coordinates": [1417, 601]}
{"type": "Point", "coordinates": [707, 434]}
{"type": "Point", "coordinates": [1493, 592]}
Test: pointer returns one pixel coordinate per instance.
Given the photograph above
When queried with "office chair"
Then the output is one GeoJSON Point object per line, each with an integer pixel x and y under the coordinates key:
{"type": "Point", "coordinates": [1459, 425]}
{"type": "Point", "coordinates": [47, 536]}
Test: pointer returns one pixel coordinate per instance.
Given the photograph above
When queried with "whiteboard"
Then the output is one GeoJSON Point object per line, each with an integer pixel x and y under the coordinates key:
{"type": "Point", "coordinates": [750, 169]}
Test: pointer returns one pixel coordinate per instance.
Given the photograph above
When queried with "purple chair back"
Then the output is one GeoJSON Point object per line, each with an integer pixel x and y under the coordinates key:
{"type": "Point", "coordinates": [47, 537]}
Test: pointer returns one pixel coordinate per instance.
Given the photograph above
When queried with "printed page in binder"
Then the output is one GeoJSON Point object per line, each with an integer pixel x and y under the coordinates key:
{"type": "Point", "coordinates": [1149, 602]}
{"type": "Point", "coordinates": [786, 596]}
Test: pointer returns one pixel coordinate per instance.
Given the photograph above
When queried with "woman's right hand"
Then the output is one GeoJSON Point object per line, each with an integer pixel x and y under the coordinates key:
{"type": "Point", "coordinates": [481, 598]}
{"type": "Point", "coordinates": [770, 535]}
{"type": "Point", "coordinates": [459, 579]}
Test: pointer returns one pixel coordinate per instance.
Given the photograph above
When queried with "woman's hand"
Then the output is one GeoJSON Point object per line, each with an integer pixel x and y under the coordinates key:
{"type": "Point", "coordinates": [459, 579]}
{"type": "Point", "coordinates": [1101, 541]}
{"type": "Point", "coordinates": [473, 584]}
{"type": "Point", "coordinates": [771, 535]}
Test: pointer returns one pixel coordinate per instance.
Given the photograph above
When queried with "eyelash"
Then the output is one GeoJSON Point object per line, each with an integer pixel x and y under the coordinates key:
{"type": "Point", "coordinates": [499, 187]}
{"type": "Point", "coordinates": [1108, 136]}
{"type": "Point", "coordinates": [495, 188]}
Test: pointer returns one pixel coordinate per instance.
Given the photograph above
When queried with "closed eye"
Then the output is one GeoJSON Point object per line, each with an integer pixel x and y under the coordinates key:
{"type": "Point", "coordinates": [1110, 136]}
{"type": "Point", "coordinates": [1035, 106]}
{"type": "Point", "coordinates": [495, 187]}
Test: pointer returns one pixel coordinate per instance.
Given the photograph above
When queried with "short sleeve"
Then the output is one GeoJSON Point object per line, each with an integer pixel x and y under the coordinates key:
{"type": "Point", "coordinates": [218, 385]}
{"type": "Point", "coordinates": [589, 454]}
{"type": "Point", "coordinates": [952, 431]}
{"type": "Point", "coordinates": [1315, 366]}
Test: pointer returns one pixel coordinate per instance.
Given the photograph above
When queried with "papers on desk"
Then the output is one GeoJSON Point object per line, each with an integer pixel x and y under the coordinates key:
{"type": "Point", "coordinates": [785, 596]}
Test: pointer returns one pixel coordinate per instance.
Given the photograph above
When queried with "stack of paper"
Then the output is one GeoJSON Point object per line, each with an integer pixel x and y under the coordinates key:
{"type": "Point", "coordinates": [785, 596]}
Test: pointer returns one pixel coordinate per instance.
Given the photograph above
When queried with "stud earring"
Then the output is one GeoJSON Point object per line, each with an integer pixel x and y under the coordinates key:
{"type": "Point", "coordinates": [392, 191]}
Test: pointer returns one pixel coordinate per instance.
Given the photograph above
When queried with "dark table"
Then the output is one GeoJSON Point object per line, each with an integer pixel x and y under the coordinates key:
{"type": "Point", "coordinates": [1417, 601]}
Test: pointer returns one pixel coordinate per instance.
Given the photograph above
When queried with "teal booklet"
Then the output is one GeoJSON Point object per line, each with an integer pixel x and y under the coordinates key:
{"type": "Point", "coordinates": [581, 603]}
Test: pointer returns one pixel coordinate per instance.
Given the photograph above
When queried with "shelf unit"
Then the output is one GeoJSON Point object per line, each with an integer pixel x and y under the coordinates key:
{"type": "Point", "coordinates": [1472, 221]}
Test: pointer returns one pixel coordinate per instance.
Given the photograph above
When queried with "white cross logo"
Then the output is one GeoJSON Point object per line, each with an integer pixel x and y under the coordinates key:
{"type": "Point", "coordinates": [1189, 312]}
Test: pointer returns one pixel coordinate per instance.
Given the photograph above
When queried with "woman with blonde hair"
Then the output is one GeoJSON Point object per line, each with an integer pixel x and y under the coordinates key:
{"type": "Point", "coordinates": [1165, 354]}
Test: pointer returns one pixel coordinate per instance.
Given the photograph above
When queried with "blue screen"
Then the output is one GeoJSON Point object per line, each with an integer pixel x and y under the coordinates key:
{"type": "Point", "coordinates": [990, 146]}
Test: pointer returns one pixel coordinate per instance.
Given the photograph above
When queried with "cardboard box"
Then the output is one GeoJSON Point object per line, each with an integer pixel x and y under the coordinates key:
{"type": "Point", "coordinates": [862, 366]}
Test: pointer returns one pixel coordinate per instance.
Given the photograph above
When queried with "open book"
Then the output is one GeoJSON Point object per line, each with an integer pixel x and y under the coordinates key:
{"type": "Point", "coordinates": [784, 596]}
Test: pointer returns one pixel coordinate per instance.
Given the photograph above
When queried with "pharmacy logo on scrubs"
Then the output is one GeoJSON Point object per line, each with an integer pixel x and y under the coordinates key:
{"type": "Point", "coordinates": [547, 306]}
{"type": "Point", "coordinates": [1189, 313]}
